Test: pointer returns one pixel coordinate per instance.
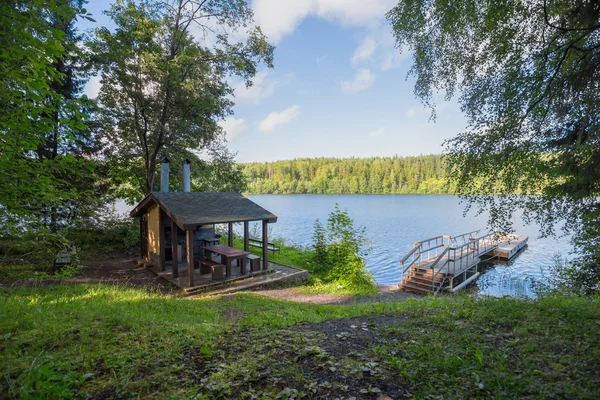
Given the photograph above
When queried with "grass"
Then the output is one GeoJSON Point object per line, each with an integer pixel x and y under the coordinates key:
{"type": "Point", "coordinates": [298, 256]}
{"type": "Point", "coordinates": [101, 341]}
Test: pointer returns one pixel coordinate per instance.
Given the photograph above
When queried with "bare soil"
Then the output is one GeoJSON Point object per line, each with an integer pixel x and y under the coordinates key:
{"type": "Point", "coordinates": [330, 360]}
{"type": "Point", "coordinates": [386, 294]}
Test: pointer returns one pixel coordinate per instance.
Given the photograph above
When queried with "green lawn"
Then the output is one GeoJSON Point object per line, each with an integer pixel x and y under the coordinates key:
{"type": "Point", "coordinates": [99, 341]}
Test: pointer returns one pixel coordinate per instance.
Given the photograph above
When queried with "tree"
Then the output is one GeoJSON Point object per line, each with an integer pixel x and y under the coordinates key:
{"type": "Point", "coordinates": [41, 115]}
{"type": "Point", "coordinates": [72, 136]}
{"type": "Point", "coordinates": [164, 85]}
{"type": "Point", "coordinates": [528, 77]}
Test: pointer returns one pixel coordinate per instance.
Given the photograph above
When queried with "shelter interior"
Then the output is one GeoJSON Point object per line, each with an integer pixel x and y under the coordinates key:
{"type": "Point", "coordinates": [178, 230]}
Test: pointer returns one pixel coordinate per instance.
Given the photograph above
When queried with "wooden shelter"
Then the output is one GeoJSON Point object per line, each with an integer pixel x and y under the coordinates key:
{"type": "Point", "coordinates": [165, 217]}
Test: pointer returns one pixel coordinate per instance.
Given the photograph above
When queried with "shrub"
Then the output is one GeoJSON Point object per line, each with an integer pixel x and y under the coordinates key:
{"type": "Point", "coordinates": [109, 234]}
{"type": "Point", "coordinates": [577, 277]}
{"type": "Point", "coordinates": [339, 249]}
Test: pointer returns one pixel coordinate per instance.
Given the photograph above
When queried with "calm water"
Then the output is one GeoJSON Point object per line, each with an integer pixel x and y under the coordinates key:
{"type": "Point", "coordinates": [394, 222]}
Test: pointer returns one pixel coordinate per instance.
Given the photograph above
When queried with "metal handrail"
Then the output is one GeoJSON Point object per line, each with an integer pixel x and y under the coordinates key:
{"type": "Point", "coordinates": [410, 253]}
{"type": "Point", "coordinates": [430, 239]}
{"type": "Point", "coordinates": [459, 254]}
{"type": "Point", "coordinates": [435, 274]}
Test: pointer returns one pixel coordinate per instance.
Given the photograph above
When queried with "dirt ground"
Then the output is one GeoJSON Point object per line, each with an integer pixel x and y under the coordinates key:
{"type": "Point", "coordinates": [331, 360]}
{"type": "Point", "coordinates": [118, 267]}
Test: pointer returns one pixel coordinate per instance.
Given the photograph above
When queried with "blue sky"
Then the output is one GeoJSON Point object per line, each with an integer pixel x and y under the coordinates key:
{"type": "Point", "coordinates": [339, 87]}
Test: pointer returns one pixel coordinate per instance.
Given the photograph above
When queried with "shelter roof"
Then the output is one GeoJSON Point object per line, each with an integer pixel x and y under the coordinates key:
{"type": "Point", "coordinates": [190, 209]}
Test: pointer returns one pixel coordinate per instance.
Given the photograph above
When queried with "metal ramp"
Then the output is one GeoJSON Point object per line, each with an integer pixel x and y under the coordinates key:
{"type": "Point", "coordinates": [450, 262]}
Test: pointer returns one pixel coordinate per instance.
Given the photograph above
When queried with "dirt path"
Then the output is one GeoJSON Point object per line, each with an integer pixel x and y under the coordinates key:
{"type": "Point", "coordinates": [386, 293]}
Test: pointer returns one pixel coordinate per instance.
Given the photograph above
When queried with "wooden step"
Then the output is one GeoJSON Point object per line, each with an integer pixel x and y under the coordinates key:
{"type": "Point", "coordinates": [421, 280]}
{"type": "Point", "coordinates": [417, 285]}
{"type": "Point", "coordinates": [412, 288]}
{"type": "Point", "coordinates": [439, 277]}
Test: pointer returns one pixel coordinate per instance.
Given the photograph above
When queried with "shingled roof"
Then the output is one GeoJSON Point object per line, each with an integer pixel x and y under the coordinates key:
{"type": "Point", "coordinates": [190, 209]}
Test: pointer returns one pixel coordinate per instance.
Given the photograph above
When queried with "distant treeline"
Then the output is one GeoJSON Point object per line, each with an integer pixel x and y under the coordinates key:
{"type": "Point", "coordinates": [378, 175]}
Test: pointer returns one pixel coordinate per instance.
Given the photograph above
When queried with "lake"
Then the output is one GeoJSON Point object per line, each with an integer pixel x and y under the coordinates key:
{"type": "Point", "coordinates": [394, 222]}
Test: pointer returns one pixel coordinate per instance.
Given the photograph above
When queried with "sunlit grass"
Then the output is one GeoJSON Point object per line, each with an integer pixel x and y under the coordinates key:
{"type": "Point", "coordinates": [64, 340]}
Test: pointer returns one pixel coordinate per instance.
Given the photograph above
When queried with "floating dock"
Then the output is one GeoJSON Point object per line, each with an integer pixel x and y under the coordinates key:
{"type": "Point", "coordinates": [509, 247]}
{"type": "Point", "coordinates": [451, 262]}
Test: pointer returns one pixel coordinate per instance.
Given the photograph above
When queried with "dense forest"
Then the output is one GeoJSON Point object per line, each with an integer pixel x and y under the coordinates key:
{"type": "Point", "coordinates": [378, 175]}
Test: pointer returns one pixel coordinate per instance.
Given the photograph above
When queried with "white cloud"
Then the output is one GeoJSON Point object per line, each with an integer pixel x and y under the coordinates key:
{"type": "Point", "coordinates": [378, 49]}
{"type": "Point", "coordinates": [412, 112]}
{"type": "Point", "coordinates": [365, 50]}
{"type": "Point", "coordinates": [92, 88]}
{"type": "Point", "coordinates": [262, 87]}
{"type": "Point", "coordinates": [354, 12]}
{"type": "Point", "coordinates": [363, 79]}
{"type": "Point", "coordinates": [233, 127]}
{"type": "Point", "coordinates": [279, 118]}
{"type": "Point", "coordinates": [377, 133]}
{"type": "Point", "coordinates": [278, 18]}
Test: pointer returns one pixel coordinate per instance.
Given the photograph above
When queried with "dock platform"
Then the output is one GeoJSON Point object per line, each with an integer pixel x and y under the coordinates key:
{"type": "Point", "coordinates": [451, 262]}
{"type": "Point", "coordinates": [509, 247]}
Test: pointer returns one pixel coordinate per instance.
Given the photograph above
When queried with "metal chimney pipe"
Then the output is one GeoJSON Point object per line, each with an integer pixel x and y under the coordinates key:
{"type": "Point", "coordinates": [186, 176]}
{"type": "Point", "coordinates": [164, 175]}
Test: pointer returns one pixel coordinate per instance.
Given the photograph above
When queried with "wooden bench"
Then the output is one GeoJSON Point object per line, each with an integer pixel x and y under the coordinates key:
{"type": "Point", "coordinates": [62, 258]}
{"type": "Point", "coordinates": [209, 266]}
{"type": "Point", "coordinates": [258, 243]}
{"type": "Point", "coordinates": [254, 262]}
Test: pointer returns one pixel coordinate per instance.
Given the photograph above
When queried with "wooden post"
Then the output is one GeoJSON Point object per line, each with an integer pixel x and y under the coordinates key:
{"type": "Point", "coordinates": [246, 236]}
{"type": "Point", "coordinates": [174, 263]}
{"type": "Point", "coordinates": [161, 239]}
{"type": "Point", "coordinates": [265, 246]}
{"type": "Point", "coordinates": [189, 235]}
{"type": "Point", "coordinates": [143, 256]}
{"type": "Point", "coordinates": [230, 234]}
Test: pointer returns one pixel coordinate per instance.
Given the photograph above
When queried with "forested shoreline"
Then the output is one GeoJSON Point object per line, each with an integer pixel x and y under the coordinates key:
{"type": "Point", "coordinates": [424, 174]}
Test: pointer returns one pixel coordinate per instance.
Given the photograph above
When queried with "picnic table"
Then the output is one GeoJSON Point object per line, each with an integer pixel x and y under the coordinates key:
{"type": "Point", "coordinates": [228, 254]}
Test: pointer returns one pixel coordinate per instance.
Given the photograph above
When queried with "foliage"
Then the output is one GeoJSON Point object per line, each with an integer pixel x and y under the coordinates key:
{"type": "Point", "coordinates": [101, 341]}
{"type": "Point", "coordinates": [571, 277]}
{"type": "Point", "coordinates": [338, 251]}
{"type": "Point", "coordinates": [46, 176]}
{"type": "Point", "coordinates": [31, 255]}
{"type": "Point", "coordinates": [319, 246]}
{"type": "Point", "coordinates": [111, 233]}
{"type": "Point", "coordinates": [527, 76]}
{"type": "Point", "coordinates": [379, 175]}
{"type": "Point", "coordinates": [164, 89]}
